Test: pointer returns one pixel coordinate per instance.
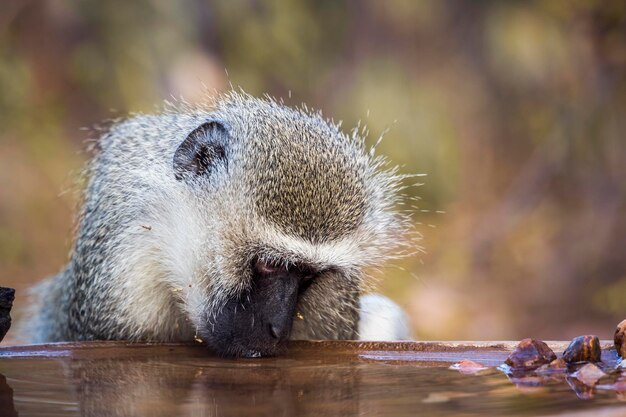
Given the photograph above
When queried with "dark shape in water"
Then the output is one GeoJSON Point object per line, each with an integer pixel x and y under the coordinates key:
{"type": "Point", "coordinates": [7, 408]}
{"type": "Point", "coordinates": [620, 346]}
{"type": "Point", "coordinates": [530, 353]}
{"type": "Point", "coordinates": [7, 295]}
{"type": "Point", "coordinates": [583, 349]}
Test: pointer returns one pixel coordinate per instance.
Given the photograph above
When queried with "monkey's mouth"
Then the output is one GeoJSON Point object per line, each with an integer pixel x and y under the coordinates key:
{"type": "Point", "coordinates": [232, 343]}
{"type": "Point", "coordinates": [258, 322]}
{"type": "Point", "coordinates": [252, 354]}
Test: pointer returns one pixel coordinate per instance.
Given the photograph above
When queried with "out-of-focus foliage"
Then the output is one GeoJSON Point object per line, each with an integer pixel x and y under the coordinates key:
{"type": "Point", "coordinates": [515, 110]}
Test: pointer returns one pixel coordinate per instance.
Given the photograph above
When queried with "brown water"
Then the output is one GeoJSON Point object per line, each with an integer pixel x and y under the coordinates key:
{"type": "Point", "coordinates": [314, 379]}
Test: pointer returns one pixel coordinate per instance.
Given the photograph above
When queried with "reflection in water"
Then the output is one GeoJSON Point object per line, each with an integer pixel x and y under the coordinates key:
{"type": "Point", "coordinates": [185, 381]}
{"type": "Point", "coordinates": [583, 391]}
{"type": "Point", "coordinates": [156, 388]}
{"type": "Point", "coordinates": [7, 408]}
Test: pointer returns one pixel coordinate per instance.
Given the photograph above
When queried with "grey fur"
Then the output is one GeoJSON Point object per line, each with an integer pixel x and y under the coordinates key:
{"type": "Point", "coordinates": [146, 238]}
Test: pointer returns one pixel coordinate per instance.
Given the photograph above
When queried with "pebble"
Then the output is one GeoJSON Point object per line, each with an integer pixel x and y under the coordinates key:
{"type": "Point", "coordinates": [620, 346]}
{"type": "Point", "coordinates": [530, 353]}
{"type": "Point", "coordinates": [468, 367]}
{"type": "Point", "coordinates": [556, 366]}
{"type": "Point", "coordinates": [583, 349]}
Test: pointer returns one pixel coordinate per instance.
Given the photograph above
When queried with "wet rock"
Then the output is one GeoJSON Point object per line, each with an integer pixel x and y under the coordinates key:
{"type": "Point", "coordinates": [589, 374]}
{"type": "Point", "coordinates": [530, 353]}
{"type": "Point", "coordinates": [468, 367]}
{"type": "Point", "coordinates": [620, 346]}
{"type": "Point", "coordinates": [7, 295]}
{"type": "Point", "coordinates": [583, 349]}
{"type": "Point", "coordinates": [556, 366]}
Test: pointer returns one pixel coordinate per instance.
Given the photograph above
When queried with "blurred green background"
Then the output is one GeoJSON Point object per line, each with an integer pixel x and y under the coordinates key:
{"type": "Point", "coordinates": [515, 110]}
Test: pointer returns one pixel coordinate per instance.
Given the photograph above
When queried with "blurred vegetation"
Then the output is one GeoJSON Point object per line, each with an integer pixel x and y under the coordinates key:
{"type": "Point", "coordinates": [515, 110]}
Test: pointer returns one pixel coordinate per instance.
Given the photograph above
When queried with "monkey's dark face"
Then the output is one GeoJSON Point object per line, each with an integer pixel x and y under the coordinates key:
{"type": "Point", "coordinates": [258, 321]}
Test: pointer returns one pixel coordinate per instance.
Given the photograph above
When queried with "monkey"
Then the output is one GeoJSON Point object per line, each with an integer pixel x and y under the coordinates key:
{"type": "Point", "coordinates": [7, 295]}
{"type": "Point", "coordinates": [241, 223]}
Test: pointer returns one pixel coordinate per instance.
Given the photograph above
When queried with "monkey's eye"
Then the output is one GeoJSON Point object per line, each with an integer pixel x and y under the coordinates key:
{"type": "Point", "coordinates": [267, 271]}
{"type": "Point", "coordinates": [307, 277]}
{"type": "Point", "coordinates": [307, 274]}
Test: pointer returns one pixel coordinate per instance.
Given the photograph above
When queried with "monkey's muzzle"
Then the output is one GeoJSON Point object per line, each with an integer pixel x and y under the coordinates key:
{"type": "Point", "coordinates": [258, 322]}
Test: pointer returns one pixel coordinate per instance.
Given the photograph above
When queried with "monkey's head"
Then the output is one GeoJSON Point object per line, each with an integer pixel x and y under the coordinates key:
{"type": "Point", "coordinates": [285, 213]}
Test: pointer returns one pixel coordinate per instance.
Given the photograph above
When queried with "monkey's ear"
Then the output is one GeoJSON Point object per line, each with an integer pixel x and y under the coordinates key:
{"type": "Point", "coordinates": [202, 150]}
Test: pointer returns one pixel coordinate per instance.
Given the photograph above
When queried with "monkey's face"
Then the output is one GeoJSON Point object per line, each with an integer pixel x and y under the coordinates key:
{"type": "Point", "coordinates": [295, 214]}
{"type": "Point", "coordinates": [278, 296]}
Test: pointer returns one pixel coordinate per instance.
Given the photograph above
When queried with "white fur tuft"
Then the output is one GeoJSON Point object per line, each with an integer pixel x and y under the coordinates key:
{"type": "Point", "coordinates": [382, 319]}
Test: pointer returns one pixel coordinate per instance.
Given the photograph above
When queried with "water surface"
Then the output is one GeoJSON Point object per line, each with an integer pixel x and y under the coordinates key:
{"type": "Point", "coordinates": [314, 379]}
